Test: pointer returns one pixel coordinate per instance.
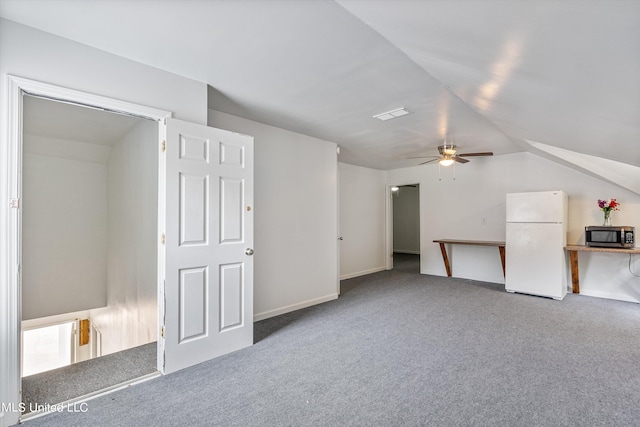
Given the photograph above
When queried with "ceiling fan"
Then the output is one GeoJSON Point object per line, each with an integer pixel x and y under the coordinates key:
{"type": "Point", "coordinates": [449, 155]}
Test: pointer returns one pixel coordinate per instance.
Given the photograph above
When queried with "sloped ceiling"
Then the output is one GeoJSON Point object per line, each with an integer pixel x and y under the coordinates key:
{"type": "Point", "coordinates": [486, 75]}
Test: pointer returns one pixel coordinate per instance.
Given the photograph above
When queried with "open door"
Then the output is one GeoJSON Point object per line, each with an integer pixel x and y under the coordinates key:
{"type": "Point", "coordinates": [208, 290]}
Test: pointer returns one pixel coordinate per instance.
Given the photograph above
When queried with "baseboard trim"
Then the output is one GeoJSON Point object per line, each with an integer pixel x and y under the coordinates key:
{"type": "Point", "coordinates": [607, 295]}
{"type": "Point", "coordinates": [293, 307]}
{"type": "Point", "coordinates": [362, 273]}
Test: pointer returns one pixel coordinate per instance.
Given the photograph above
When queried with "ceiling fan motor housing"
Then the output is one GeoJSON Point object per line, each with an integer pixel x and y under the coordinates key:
{"type": "Point", "coordinates": [447, 149]}
{"type": "Point", "coordinates": [448, 155]}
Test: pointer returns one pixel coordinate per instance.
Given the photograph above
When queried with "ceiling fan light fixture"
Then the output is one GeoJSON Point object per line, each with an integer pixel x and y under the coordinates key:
{"type": "Point", "coordinates": [446, 161]}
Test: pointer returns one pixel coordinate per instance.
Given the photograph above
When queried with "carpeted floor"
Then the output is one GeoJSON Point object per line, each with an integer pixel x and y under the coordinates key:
{"type": "Point", "coordinates": [398, 348]}
{"type": "Point", "coordinates": [59, 385]}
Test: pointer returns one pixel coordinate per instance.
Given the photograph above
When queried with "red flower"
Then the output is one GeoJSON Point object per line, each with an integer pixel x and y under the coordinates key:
{"type": "Point", "coordinates": [611, 205]}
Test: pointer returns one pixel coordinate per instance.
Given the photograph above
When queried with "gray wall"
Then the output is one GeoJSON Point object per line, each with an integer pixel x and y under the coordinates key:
{"type": "Point", "coordinates": [362, 220]}
{"type": "Point", "coordinates": [296, 232]}
{"type": "Point", "coordinates": [130, 318]}
{"type": "Point", "coordinates": [64, 227]}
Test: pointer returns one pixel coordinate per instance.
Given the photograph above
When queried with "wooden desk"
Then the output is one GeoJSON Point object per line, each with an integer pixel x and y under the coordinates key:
{"type": "Point", "coordinates": [573, 260]}
{"type": "Point", "coordinates": [445, 258]}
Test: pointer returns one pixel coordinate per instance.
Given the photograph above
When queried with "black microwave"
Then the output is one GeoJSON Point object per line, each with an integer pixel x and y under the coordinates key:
{"type": "Point", "coordinates": [610, 237]}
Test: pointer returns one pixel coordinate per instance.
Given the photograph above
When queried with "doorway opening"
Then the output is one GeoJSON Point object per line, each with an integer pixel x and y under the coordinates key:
{"type": "Point", "coordinates": [89, 250]}
{"type": "Point", "coordinates": [12, 294]}
{"type": "Point", "coordinates": [405, 227]}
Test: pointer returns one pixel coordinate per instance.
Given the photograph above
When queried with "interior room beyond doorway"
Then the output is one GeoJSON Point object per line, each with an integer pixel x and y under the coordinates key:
{"type": "Point", "coordinates": [89, 229]}
{"type": "Point", "coordinates": [406, 220]}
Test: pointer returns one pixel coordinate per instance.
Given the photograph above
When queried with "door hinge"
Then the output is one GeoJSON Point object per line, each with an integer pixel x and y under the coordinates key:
{"type": "Point", "coordinates": [162, 332]}
{"type": "Point", "coordinates": [162, 238]}
{"type": "Point", "coordinates": [14, 203]}
{"type": "Point", "coordinates": [164, 146]}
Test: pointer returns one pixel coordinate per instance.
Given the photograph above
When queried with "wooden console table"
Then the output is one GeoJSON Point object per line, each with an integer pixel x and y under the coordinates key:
{"type": "Point", "coordinates": [573, 260]}
{"type": "Point", "coordinates": [445, 258]}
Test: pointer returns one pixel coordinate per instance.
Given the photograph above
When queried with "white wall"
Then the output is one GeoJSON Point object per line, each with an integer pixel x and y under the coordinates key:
{"type": "Point", "coordinates": [455, 209]}
{"type": "Point", "coordinates": [64, 227]}
{"type": "Point", "coordinates": [296, 259]}
{"type": "Point", "coordinates": [130, 318]}
{"type": "Point", "coordinates": [362, 220]}
{"type": "Point", "coordinates": [36, 55]}
{"type": "Point", "coordinates": [406, 220]}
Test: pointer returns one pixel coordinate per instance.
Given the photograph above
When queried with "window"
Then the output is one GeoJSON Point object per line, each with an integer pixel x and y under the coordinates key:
{"type": "Point", "coordinates": [47, 348]}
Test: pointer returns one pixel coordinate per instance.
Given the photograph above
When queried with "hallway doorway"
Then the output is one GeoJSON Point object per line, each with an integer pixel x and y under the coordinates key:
{"type": "Point", "coordinates": [405, 224]}
{"type": "Point", "coordinates": [89, 247]}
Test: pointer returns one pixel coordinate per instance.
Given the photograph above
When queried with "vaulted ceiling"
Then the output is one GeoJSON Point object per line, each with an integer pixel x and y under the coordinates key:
{"type": "Point", "coordinates": [557, 78]}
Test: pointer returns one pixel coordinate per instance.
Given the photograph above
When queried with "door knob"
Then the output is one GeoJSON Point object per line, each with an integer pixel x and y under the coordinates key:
{"type": "Point", "coordinates": [248, 251]}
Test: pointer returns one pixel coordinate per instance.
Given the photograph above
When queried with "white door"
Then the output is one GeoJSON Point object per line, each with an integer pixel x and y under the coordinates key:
{"type": "Point", "coordinates": [208, 287]}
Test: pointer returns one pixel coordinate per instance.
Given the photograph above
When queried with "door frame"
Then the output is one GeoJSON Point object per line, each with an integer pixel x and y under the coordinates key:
{"type": "Point", "coordinates": [389, 222]}
{"type": "Point", "coordinates": [10, 295]}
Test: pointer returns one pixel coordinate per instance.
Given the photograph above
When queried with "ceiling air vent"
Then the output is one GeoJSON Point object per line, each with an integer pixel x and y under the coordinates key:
{"type": "Point", "coordinates": [392, 114]}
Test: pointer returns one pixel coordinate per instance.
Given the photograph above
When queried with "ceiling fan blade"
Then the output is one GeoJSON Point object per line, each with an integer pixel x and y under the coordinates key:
{"type": "Point", "coordinates": [460, 159]}
{"type": "Point", "coordinates": [428, 161]}
{"type": "Point", "coordinates": [486, 153]}
{"type": "Point", "coordinates": [423, 157]}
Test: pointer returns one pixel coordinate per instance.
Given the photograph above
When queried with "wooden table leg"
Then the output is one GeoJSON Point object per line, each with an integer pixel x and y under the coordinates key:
{"type": "Point", "coordinates": [575, 276]}
{"type": "Point", "coordinates": [502, 255]}
{"type": "Point", "coordinates": [445, 258]}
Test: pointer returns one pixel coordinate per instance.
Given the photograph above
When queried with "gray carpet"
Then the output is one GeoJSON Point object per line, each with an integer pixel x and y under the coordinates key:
{"type": "Point", "coordinates": [79, 379]}
{"type": "Point", "coordinates": [400, 349]}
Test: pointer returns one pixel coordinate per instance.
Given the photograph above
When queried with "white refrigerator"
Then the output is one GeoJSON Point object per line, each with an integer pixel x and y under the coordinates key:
{"type": "Point", "coordinates": [536, 237]}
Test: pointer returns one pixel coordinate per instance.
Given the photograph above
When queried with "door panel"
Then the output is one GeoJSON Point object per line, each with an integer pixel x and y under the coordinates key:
{"type": "Point", "coordinates": [209, 225]}
{"type": "Point", "coordinates": [193, 303]}
{"type": "Point", "coordinates": [231, 198]}
{"type": "Point", "coordinates": [194, 148]}
{"type": "Point", "coordinates": [194, 202]}
{"type": "Point", "coordinates": [231, 284]}
{"type": "Point", "coordinates": [231, 154]}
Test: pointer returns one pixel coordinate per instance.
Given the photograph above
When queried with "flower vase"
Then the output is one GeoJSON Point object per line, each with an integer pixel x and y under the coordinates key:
{"type": "Point", "coordinates": [607, 219]}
